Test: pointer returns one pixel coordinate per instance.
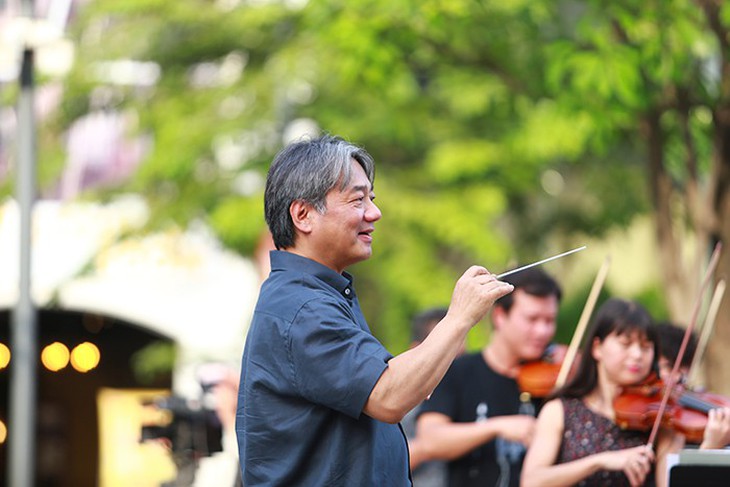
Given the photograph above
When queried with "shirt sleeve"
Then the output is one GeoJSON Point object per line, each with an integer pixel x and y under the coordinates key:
{"type": "Point", "coordinates": [334, 362]}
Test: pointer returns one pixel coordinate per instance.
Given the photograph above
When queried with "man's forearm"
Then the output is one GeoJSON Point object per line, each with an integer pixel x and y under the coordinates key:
{"type": "Point", "coordinates": [414, 374]}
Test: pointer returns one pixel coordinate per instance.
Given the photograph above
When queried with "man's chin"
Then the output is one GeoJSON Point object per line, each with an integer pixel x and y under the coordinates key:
{"type": "Point", "coordinates": [533, 354]}
{"type": "Point", "coordinates": [362, 256]}
{"type": "Point", "coordinates": [365, 254]}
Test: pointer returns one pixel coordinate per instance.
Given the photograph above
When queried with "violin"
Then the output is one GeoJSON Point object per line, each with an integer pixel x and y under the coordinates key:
{"type": "Point", "coordinates": [636, 408]}
{"type": "Point", "coordinates": [538, 377]}
{"type": "Point", "coordinates": [671, 406]}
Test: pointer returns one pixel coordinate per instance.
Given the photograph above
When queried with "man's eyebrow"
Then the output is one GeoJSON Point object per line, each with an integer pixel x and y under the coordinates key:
{"type": "Point", "coordinates": [362, 187]}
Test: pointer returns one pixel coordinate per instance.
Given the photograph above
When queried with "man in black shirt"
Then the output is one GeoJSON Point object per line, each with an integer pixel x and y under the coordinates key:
{"type": "Point", "coordinates": [476, 418]}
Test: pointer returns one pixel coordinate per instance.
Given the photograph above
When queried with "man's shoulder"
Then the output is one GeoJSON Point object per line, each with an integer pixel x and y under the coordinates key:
{"type": "Point", "coordinates": [296, 298]}
{"type": "Point", "coordinates": [291, 290]}
{"type": "Point", "coordinates": [468, 361]}
{"type": "Point", "coordinates": [463, 369]}
{"type": "Point", "coordinates": [468, 367]}
{"type": "Point", "coordinates": [456, 387]}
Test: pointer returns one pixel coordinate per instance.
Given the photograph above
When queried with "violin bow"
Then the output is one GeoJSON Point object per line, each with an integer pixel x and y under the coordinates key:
{"type": "Point", "coordinates": [707, 328]}
{"type": "Point", "coordinates": [582, 323]}
{"type": "Point", "coordinates": [675, 369]}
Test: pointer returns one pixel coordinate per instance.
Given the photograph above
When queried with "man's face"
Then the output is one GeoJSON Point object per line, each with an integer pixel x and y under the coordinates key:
{"type": "Point", "coordinates": [665, 369]}
{"type": "Point", "coordinates": [342, 236]}
{"type": "Point", "coordinates": [529, 326]}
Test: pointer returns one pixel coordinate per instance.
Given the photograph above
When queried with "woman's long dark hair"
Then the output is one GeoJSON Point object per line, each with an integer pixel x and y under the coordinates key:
{"type": "Point", "coordinates": [615, 315]}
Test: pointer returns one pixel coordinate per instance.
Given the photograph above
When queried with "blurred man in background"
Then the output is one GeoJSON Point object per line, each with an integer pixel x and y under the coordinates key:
{"type": "Point", "coordinates": [477, 419]}
{"type": "Point", "coordinates": [426, 473]}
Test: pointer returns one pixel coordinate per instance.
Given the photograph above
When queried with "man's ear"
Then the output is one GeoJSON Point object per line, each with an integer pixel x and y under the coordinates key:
{"type": "Point", "coordinates": [499, 315]}
{"type": "Point", "coordinates": [301, 215]}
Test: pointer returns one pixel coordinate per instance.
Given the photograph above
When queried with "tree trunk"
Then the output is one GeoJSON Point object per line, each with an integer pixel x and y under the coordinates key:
{"type": "Point", "coordinates": [717, 365]}
{"type": "Point", "coordinates": [679, 286]}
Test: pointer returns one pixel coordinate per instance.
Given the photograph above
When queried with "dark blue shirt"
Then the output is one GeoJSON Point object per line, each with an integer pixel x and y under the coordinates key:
{"type": "Point", "coordinates": [309, 365]}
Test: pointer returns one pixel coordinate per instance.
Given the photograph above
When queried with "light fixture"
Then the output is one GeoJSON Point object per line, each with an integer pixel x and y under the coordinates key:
{"type": "Point", "coordinates": [85, 357]}
{"type": "Point", "coordinates": [55, 356]}
{"type": "Point", "coordinates": [4, 356]}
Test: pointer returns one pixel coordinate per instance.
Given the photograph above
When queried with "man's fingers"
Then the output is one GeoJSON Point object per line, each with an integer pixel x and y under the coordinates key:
{"type": "Point", "coordinates": [476, 270]}
{"type": "Point", "coordinates": [488, 279]}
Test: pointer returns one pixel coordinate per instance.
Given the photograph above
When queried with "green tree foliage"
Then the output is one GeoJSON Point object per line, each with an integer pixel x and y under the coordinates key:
{"type": "Point", "coordinates": [499, 127]}
{"type": "Point", "coordinates": [656, 75]}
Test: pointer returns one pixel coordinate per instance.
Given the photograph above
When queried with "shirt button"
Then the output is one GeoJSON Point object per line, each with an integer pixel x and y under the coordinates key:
{"type": "Point", "coordinates": [347, 291]}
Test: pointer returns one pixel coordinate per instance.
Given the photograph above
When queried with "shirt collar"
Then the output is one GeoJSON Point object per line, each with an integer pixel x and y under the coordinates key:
{"type": "Point", "coordinates": [283, 260]}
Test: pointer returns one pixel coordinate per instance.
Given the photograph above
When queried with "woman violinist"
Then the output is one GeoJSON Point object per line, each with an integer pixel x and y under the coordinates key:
{"type": "Point", "coordinates": [577, 441]}
{"type": "Point", "coordinates": [717, 429]}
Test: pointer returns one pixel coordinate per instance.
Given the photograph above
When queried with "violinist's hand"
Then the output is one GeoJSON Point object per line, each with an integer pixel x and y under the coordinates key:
{"type": "Point", "coordinates": [517, 427]}
{"type": "Point", "coordinates": [717, 431]}
{"type": "Point", "coordinates": [634, 462]}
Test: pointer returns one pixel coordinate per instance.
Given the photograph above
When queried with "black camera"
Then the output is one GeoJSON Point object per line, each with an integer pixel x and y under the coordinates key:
{"type": "Point", "coordinates": [188, 429]}
{"type": "Point", "coordinates": [191, 428]}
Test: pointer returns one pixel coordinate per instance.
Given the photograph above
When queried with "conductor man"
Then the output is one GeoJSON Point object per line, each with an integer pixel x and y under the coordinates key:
{"type": "Point", "coordinates": [320, 398]}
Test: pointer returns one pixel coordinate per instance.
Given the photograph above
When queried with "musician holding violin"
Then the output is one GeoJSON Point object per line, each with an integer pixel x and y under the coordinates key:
{"type": "Point", "coordinates": [709, 416]}
{"type": "Point", "coordinates": [476, 419]}
{"type": "Point", "coordinates": [577, 440]}
{"type": "Point", "coordinates": [670, 341]}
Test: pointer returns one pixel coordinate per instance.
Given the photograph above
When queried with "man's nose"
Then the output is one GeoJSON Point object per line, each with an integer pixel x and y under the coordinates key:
{"type": "Point", "coordinates": [372, 212]}
{"type": "Point", "coordinates": [547, 327]}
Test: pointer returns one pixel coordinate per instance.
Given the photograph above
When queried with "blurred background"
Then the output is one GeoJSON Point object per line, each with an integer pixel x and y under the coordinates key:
{"type": "Point", "coordinates": [504, 132]}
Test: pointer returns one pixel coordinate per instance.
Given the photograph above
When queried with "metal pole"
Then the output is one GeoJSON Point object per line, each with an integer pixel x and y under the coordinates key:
{"type": "Point", "coordinates": [21, 425]}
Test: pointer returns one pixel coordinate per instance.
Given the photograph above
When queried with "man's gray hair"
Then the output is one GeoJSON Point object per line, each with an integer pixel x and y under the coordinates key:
{"type": "Point", "coordinates": [307, 170]}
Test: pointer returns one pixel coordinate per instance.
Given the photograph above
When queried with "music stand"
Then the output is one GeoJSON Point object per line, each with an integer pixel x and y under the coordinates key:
{"type": "Point", "coordinates": [706, 468]}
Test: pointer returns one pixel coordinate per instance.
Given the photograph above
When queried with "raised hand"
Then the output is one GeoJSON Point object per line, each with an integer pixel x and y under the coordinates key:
{"type": "Point", "coordinates": [475, 293]}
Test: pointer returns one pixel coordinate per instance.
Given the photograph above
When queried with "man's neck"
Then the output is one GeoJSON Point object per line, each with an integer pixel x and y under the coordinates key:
{"type": "Point", "coordinates": [501, 359]}
{"type": "Point", "coordinates": [303, 251]}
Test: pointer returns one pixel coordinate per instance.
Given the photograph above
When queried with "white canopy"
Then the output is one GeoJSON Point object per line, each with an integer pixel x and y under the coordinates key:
{"type": "Point", "coordinates": [181, 284]}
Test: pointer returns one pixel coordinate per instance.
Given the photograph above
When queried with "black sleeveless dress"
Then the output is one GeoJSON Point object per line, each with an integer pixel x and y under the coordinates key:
{"type": "Point", "coordinates": [586, 433]}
